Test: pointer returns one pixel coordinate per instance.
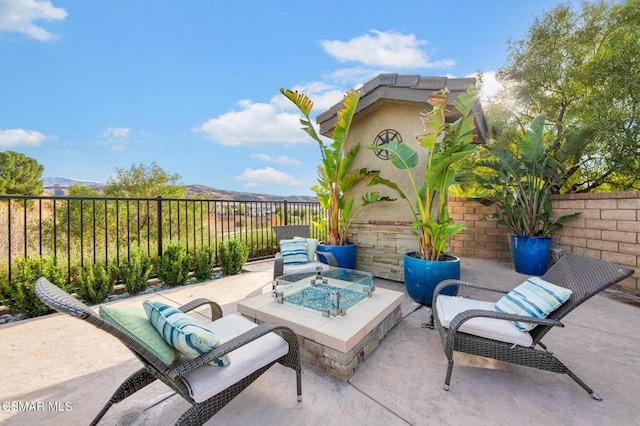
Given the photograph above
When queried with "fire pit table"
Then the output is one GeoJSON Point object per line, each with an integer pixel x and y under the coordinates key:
{"type": "Point", "coordinates": [338, 314]}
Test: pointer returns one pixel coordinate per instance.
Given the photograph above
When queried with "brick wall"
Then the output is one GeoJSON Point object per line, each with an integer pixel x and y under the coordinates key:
{"type": "Point", "coordinates": [481, 239]}
{"type": "Point", "coordinates": [608, 228]}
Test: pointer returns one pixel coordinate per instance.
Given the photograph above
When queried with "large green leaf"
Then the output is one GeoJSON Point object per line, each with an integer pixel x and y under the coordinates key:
{"type": "Point", "coordinates": [531, 146]}
{"type": "Point", "coordinates": [353, 177]}
{"type": "Point", "coordinates": [441, 175]}
{"type": "Point", "coordinates": [379, 180]}
{"type": "Point", "coordinates": [465, 102]}
{"type": "Point", "coordinates": [305, 106]}
{"type": "Point", "coordinates": [402, 156]}
{"type": "Point", "coordinates": [347, 161]}
{"type": "Point", "coordinates": [346, 210]}
{"type": "Point", "coordinates": [374, 197]}
{"type": "Point", "coordinates": [345, 116]}
{"type": "Point", "coordinates": [434, 123]}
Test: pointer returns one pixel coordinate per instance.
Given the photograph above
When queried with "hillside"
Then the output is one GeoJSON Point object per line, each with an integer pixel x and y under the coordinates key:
{"type": "Point", "coordinates": [60, 187]}
{"type": "Point", "coordinates": [221, 194]}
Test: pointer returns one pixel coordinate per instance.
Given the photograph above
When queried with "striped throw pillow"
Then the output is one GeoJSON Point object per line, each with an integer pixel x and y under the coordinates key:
{"type": "Point", "coordinates": [183, 332]}
{"type": "Point", "coordinates": [312, 246]}
{"type": "Point", "coordinates": [294, 252]}
{"type": "Point", "coordinates": [533, 298]}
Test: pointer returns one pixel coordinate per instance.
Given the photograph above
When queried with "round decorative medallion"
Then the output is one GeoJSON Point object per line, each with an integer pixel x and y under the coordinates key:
{"type": "Point", "coordinates": [383, 138]}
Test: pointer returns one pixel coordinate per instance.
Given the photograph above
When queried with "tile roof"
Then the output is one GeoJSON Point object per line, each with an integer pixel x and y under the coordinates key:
{"type": "Point", "coordinates": [409, 88]}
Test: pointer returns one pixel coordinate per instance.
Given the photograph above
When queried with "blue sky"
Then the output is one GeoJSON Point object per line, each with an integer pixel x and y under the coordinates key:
{"type": "Point", "coordinates": [88, 86]}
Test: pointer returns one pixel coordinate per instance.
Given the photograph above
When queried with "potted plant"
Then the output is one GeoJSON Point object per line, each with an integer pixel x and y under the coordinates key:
{"type": "Point", "coordinates": [335, 177]}
{"type": "Point", "coordinates": [520, 185]}
{"type": "Point", "coordinates": [443, 144]}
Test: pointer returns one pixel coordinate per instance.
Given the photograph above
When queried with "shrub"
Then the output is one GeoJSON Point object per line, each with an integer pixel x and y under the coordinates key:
{"type": "Point", "coordinates": [94, 283]}
{"type": "Point", "coordinates": [204, 263]}
{"type": "Point", "coordinates": [233, 254]}
{"type": "Point", "coordinates": [135, 272]}
{"type": "Point", "coordinates": [173, 266]}
{"type": "Point", "coordinates": [20, 292]}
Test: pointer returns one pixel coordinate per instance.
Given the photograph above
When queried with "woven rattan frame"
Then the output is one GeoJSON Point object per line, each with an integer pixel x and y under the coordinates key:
{"type": "Point", "coordinates": [171, 375]}
{"type": "Point", "coordinates": [287, 232]}
{"type": "Point", "coordinates": [585, 276]}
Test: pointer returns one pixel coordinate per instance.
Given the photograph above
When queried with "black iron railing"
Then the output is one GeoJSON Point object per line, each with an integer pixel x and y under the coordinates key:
{"type": "Point", "coordinates": [78, 231]}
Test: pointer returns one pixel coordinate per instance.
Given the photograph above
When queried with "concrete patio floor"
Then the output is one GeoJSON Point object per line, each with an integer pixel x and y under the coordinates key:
{"type": "Point", "coordinates": [72, 368]}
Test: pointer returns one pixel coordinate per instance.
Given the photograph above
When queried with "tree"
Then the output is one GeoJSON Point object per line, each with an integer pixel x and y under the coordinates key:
{"type": "Point", "coordinates": [580, 68]}
{"type": "Point", "coordinates": [145, 181]}
{"type": "Point", "coordinates": [19, 174]}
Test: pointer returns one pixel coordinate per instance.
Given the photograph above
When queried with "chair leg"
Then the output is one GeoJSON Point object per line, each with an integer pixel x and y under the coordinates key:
{"type": "Point", "coordinates": [430, 325]}
{"type": "Point", "coordinates": [195, 416]}
{"type": "Point", "coordinates": [447, 380]}
{"type": "Point", "coordinates": [584, 386]}
{"type": "Point", "coordinates": [299, 383]}
{"type": "Point", "coordinates": [101, 414]}
{"type": "Point", "coordinates": [131, 385]}
{"type": "Point", "coordinates": [560, 367]}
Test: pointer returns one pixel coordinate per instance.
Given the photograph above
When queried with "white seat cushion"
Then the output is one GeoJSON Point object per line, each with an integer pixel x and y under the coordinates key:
{"type": "Point", "coordinates": [505, 331]}
{"type": "Point", "coordinates": [206, 381]}
{"type": "Point", "coordinates": [311, 266]}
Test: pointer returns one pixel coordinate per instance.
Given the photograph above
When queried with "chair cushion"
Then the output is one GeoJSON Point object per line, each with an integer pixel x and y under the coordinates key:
{"type": "Point", "coordinates": [311, 267]}
{"type": "Point", "coordinates": [294, 252]}
{"type": "Point", "coordinates": [185, 333]}
{"type": "Point", "coordinates": [312, 246]}
{"type": "Point", "coordinates": [533, 298]}
{"type": "Point", "coordinates": [505, 331]}
{"type": "Point", "coordinates": [206, 381]}
{"type": "Point", "coordinates": [135, 322]}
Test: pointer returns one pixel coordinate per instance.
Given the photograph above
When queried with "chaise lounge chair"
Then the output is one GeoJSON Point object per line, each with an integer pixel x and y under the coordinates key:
{"type": "Point", "coordinates": [252, 349]}
{"type": "Point", "coordinates": [475, 327]}
{"type": "Point", "coordinates": [287, 232]}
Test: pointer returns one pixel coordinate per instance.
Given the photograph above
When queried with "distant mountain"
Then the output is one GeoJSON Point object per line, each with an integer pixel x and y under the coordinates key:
{"type": "Point", "coordinates": [60, 187]}
{"type": "Point", "coordinates": [50, 182]}
{"type": "Point", "coordinates": [221, 194]}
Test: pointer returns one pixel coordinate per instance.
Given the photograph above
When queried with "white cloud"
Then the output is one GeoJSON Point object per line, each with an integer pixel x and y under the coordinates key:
{"type": "Point", "coordinates": [277, 122]}
{"type": "Point", "coordinates": [21, 137]}
{"type": "Point", "coordinates": [255, 124]}
{"type": "Point", "coordinates": [268, 176]}
{"type": "Point", "coordinates": [117, 133]}
{"type": "Point", "coordinates": [353, 77]}
{"type": "Point", "coordinates": [385, 49]}
{"type": "Point", "coordinates": [116, 136]}
{"type": "Point", "coordinates": [19, 15]}
{"type": "Point", "coordinates": [277, 159]}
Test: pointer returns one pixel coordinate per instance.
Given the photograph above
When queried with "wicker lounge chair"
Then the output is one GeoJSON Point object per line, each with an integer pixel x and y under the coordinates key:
{"type": "Point", "coordinates": [286, 232]}
{"type": "Point", "coordinates": [583, 275]}
{"type": "Point", "coordinates": [200, 384]}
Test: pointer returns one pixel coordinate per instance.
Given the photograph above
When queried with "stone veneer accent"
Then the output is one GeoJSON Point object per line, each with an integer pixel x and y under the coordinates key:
{"type": "Point", "coordinates": [344, 365]}
{"type": "Point", "coordinates": [608, 228]}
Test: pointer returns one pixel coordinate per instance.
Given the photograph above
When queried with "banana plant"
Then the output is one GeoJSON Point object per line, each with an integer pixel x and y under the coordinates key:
{"type": "Point", "coordinates": [445, 144]}
{"type": "Point", "coordinates": [335, 177]}
{"type": "Point", "coordinates": [522, 181]}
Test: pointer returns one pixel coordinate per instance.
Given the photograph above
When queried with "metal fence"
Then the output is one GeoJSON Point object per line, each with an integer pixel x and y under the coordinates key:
{"type": "Point", "coordinates": [78, 231]}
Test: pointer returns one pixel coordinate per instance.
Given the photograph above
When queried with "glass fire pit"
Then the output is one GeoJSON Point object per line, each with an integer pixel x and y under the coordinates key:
{"type": "Point", "coordinates": [331, 291]}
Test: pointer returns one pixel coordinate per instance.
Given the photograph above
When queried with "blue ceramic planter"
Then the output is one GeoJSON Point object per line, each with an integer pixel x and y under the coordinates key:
{"type": "Point", "coordinates": [530, 254]}
{"type": "Point", "coordinates": [345, 255]}
{"type": "Point", "coordinates": [422, 276]}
